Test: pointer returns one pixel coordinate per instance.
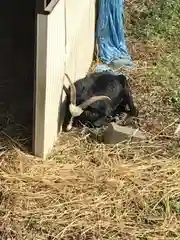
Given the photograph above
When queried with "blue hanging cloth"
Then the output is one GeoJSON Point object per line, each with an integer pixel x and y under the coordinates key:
{"type": "Point", "coordinates": [110, 34]}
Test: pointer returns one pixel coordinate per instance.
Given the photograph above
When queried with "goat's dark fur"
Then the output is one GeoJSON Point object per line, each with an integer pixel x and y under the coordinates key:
{"type": "Point", "coordinates": [96, 84]}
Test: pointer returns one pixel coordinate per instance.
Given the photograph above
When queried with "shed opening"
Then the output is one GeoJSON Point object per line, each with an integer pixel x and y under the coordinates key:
{"type": "Point", "coordinates": [17, 43]}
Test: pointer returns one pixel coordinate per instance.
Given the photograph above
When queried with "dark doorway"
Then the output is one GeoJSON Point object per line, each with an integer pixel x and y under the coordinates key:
{"type": "Point", "coordinates": [17, 41]}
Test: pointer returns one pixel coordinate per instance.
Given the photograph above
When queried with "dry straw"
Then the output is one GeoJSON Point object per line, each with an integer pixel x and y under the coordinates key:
{"type": "Point", "coordinates": [87, 190]}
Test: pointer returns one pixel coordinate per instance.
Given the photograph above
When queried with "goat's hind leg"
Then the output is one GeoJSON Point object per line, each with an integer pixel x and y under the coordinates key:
{"type": "Point", "coordinates": [128, 102]}
{"type": "Point", "coordinates": [123, 114]}
{"type": "Point", "coordinates": [130, 111]}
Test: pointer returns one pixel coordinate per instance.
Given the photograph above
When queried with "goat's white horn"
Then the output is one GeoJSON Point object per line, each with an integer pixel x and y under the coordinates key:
{"type": "Point", "coordinates": [93, 99]}
{"type": "Point", "coordinates": [72, 90]}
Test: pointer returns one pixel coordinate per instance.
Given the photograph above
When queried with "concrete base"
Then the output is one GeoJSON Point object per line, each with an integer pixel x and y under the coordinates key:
{"type": "Point", "coordinates": [115, 134]}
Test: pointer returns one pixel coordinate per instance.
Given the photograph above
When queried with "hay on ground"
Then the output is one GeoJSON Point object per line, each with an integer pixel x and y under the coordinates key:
{"type": "Point", "coordinates": [87, 190]}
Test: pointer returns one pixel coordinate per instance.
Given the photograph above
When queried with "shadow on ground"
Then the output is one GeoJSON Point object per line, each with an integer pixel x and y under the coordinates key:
{"type": "Point", "coordinates": [17, 70]}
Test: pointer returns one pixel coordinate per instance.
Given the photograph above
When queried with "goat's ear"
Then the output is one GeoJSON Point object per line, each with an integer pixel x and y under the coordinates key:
{"type": "Point", "coordinates": [123, 80]}
{"type": "Point", "coordinates": [67, 92]}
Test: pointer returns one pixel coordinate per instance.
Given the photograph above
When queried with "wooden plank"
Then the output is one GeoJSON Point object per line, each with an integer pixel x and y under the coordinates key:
{"type": "Point", "coordinates": [55, 56]}
{"type": "Point", "coordinates": [40, 86]}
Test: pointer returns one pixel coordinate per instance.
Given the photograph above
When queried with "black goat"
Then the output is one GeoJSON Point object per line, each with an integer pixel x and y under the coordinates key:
{"type": "Point", "coordinates": [97, 98]}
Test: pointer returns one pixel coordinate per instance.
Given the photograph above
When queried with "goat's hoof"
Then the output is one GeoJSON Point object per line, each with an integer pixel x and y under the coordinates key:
{"type": "Point", "coordinates": [122, 119]}
{"type": "Point", "coordinates": [84, 130]}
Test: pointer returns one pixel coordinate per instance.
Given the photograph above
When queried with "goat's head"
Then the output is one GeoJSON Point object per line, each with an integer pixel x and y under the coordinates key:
{"type": "Point", "coordinates": [75, 110]}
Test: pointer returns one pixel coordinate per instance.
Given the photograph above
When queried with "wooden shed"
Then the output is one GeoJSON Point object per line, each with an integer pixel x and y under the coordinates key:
{"type": "Point", "coordinates": [43, 40]}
